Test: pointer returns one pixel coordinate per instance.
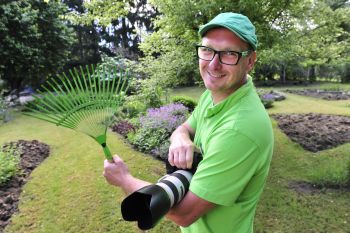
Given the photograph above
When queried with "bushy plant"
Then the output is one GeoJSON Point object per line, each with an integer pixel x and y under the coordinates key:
{"type": "Point", "coordinates": [156, 127]}
{"type": "Point", "coordinates": [4, 112]}
{"type": "Point", "coordinates": [267, 100]}
{"type": "Point", "coordinates": [151, 93]}
{"type": "Point", "coordinates": [9, 160]}
{"type": "Point", "coordinates": [133, 107]}
{"type": "Point", "coordinates": [123, 127]}
{"type": "Point", "coordinates": [188, 102]}
{"type": "Point", "coordinates": [167, 117]}
{"type": "Point", "coordinates": [162, 150]}
{"type": "Point", "coordinates": [146, 139]}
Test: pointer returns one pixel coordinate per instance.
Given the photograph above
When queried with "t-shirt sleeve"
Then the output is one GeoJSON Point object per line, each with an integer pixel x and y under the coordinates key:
{"type": "Point", "coordinates": [192, 120]}
{"type": "Point", "coordinates": [229, 162]}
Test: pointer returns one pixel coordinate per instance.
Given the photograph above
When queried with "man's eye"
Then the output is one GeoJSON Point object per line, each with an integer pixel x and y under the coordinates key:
{"type": "Point", "coordinates": [230, 53]}
{"type": "Point", "coordinates": [205, 49]}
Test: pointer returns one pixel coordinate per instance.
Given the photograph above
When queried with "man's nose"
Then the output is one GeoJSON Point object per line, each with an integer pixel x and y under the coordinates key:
{"type": "Point", "coordinates": [215, 63]}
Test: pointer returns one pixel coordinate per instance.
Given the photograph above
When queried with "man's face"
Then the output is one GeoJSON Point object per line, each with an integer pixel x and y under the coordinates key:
{"type": "Point", "coordinates": [221, 79]}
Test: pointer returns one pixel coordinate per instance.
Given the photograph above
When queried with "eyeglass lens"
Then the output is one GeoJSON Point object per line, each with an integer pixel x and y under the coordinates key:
{"type": "Point", "coordinates": [226, 57]}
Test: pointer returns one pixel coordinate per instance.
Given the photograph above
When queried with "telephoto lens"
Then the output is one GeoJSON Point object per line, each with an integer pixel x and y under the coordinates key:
{"type": "Point", "coordinates": [150, 203]}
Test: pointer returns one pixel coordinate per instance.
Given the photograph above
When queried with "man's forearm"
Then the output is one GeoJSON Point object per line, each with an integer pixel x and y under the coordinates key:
{"type": "Point", "coordinates": [133, 184]}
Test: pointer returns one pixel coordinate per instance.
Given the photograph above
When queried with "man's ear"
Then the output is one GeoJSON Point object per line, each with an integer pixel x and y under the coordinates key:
{"type": "Point", "coordinates": [251, 60]}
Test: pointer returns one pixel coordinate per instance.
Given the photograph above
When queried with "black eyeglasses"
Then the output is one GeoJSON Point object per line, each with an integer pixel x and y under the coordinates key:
{"type": "Point", "coordinates": [225, 57]}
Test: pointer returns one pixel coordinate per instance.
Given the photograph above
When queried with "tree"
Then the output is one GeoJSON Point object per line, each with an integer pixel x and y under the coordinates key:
{"type": "Point", "coordinates": [120, 24]}
{"type": "Point", "coordinates": [169, 51]}
{"type": "Point", "coordinates": [34, 41]}
{"type": "Point", "coordinates": [320, 38]}
{"type": "Point", "coordinates": [85, 50]}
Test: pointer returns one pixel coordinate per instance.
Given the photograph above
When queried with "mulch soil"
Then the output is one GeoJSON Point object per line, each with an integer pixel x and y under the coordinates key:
{"type": "Point", "coordinates": [32, 153]}
{"type": "Point", "coordinates": [315, 132]}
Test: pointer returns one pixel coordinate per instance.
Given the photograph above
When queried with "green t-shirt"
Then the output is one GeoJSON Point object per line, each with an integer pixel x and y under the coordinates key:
{"type": "Point", "coordinates": [237, 142]}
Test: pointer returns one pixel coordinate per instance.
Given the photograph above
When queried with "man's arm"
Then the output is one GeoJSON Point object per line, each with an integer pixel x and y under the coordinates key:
{"type": "Point", "coordinates": [117, 174]}
{"type": "Point", "coordinates": [182, 147]}
{"type": "Point", "coordinates": [190, 208]}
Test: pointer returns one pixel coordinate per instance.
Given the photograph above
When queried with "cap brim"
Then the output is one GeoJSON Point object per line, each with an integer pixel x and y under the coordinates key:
{"type": "Point", "coordinates": [204, 29]}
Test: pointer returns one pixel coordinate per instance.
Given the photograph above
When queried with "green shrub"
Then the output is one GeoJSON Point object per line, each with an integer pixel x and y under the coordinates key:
{"type": "Point", "coordinates": [132, 108]}
{"type": "Point", "coordinates": [267, 99]}
{"type": "Point", "coordinates": [9, 160]}
{"type": "Point", "coordinates": [147, 139]}
{"type": "Point", "coordinates": [188, 102]}
{"type": "Point", "coordinates": [155, 128]}
{"type": "Point", "coordinates": [3, 109]}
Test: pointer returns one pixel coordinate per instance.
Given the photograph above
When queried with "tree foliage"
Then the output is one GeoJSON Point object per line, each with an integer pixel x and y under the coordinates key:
{"type": "Point", "coordinates": [170, 50]}
{"type": "Point", "coordinates": [34, 41]}
{"type": "Point", "coordinates": [120, 24]}
{"type": "Point", "coordinates": [292, 34]}
{"type": "Point", "coordinates": [85, 49]}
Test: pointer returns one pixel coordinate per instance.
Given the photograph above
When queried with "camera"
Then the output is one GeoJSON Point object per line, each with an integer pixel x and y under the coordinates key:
{"type": "Point", "coordinates": [150, 203]}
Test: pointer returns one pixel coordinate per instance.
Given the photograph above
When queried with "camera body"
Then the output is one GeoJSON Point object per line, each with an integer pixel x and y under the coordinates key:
{"type": "Point", "coordinates": [150, 203]}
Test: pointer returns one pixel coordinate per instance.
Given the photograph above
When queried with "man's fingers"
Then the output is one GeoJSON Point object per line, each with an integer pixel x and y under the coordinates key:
{"type": "Point", "coordinates": [176, 159]}
{"type": "Point", "coordinates": [182, 160]}
{"type": "Point", "coordinates": [189, 159]}
{"type": "Point", "coordinates": [171, 158]}
{"type": "Point", "coordinates": [116, 159]}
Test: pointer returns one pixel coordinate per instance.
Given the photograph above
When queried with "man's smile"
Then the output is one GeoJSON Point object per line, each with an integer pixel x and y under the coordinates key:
{"type": "Point", "coordinates": [215, 75]}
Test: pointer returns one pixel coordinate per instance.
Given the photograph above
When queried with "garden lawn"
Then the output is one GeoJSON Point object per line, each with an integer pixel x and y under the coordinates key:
{"type": "Point", "coordinates": [67, 192]}
{"type": "Point", "coordinates": [283, 209]}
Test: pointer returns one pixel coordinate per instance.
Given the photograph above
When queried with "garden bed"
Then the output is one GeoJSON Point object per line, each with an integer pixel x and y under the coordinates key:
{"type": "Point", "coordinates": [32, 153]}
{"type": "Point", "coordinates": [322, 94]}
{"type": "Point", "coordinates": [315, 132]}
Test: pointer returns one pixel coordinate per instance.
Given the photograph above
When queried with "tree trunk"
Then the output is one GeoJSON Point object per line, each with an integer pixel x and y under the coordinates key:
{"type": "Point", "coordinates": [312, 74]}
{"type": "Point", "coordinates": [13, 81]}
{"type": "Point", "coordinates": [283, 74]}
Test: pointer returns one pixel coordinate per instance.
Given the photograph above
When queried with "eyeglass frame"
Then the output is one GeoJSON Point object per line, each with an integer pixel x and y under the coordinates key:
{"type": "Point", "coordinates": [240, 54]}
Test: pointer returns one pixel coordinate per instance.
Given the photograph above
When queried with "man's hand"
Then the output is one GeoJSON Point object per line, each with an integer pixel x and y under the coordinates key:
{"type": "Point", "coordinates": [181, 148]}
{"type": "Point", "coordinates": [116, 172]}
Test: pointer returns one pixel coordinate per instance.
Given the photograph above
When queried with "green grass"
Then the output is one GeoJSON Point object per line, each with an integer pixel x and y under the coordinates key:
{"type": "Point", "coordinates": [303, 104]}
{"type": "Point", "coordinates": [67, 192]}
{"type": "Point", "coordinates": [334, 86]}
{"type": "Point", "coordinates": [193, 92]}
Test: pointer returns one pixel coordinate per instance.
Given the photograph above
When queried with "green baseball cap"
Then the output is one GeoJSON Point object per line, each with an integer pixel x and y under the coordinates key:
{"type": "Point", "coordinates": [236, 23]}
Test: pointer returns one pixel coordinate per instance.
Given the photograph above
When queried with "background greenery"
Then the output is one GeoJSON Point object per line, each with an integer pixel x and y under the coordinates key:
{"type": "Point", "coordinates": [299, 40]}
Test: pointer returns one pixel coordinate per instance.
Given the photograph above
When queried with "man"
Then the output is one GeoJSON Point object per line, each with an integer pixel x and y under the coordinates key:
{"type": "Point", "coordinates": [229, 126]}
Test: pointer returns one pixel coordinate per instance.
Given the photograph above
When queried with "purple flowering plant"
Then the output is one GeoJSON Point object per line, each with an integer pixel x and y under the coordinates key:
{"type": "Point", "coordinates": [167, 117]}
{"type": "Point", "coordinates": [155, 128]}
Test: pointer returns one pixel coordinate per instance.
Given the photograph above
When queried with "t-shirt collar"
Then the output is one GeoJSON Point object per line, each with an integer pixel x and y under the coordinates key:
{"type": "Point", "coordinates": [231, 99]}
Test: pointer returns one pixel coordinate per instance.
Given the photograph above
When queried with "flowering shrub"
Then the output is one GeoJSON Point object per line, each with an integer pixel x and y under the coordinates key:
{"type": "Point", "coordinates": [156, 127]}
{"type": "Point", "coordinates": [147, 139]}
{"type": "Point", "coordinates": [267, 100]}
{"type": "Point", "coordinates": [167, 117]}
{"type": "Point", "coordinates": [123, 128]}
